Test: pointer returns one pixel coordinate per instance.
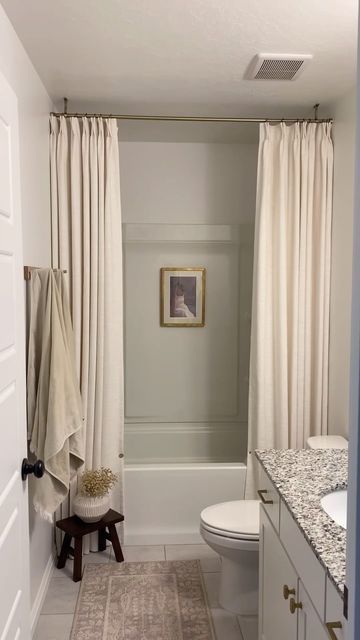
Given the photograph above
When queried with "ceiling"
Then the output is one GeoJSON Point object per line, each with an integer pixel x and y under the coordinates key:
{"type": "Point", "coordinates": [187, 56]}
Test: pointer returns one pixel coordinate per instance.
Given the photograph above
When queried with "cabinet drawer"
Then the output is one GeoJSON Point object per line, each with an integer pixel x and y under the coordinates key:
{"type": "Point", "coordinates": [270, 498]}
{"type": "Point", "coordinates": [334, 610]}
{"type": "Point", "coordinates": [309, 569]}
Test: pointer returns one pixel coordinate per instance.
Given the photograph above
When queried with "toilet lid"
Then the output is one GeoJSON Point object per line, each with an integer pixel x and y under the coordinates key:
{"type": "Point", "coordinates": [239, 518]}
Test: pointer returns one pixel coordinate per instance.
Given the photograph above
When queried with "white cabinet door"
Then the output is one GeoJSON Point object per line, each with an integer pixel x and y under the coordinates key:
{"type": "Point", "coordinates": [310, 625]}
{"type": "Point", "coordinates": [334, 612]}
{"type": "Point", "coordinates": [276, 572]}
{"type": "Point", "coordinates": [14, 533]}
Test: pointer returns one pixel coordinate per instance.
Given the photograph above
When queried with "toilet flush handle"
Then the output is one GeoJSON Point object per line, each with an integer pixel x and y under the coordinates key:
{"type": "Point", "coordinates": [263, 500]}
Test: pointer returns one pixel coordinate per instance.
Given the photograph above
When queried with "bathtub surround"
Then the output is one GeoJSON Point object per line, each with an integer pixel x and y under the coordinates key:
{"type": "Point", "coordinates": [196, 207]}
{"type": "Point", "coordinates": [143, 600]}
{"type": "Point", "coordinates": [288, 392]}
{"type": "Point", "coordinates": [87, 241]}
{"type": "Point", "coordinates": [185, 433]}
{"type": "Point", "coordinates": [158, 509]}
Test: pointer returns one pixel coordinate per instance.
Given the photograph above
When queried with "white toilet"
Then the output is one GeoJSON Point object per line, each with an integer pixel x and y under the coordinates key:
{"type": "Point", "coordinates": [232, 530]}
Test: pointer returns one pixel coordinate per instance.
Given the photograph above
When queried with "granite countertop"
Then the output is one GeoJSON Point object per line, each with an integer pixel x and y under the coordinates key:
{"type": "Point", "coordinates": [302, 477]}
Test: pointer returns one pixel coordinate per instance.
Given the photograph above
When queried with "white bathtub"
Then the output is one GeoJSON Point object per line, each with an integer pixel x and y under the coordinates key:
{"type": "Point", "coordinates": [163, 501]}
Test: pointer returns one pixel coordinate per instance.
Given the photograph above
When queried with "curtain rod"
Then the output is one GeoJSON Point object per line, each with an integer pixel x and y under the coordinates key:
{"type": "Point", "coordinates": [186, 118]}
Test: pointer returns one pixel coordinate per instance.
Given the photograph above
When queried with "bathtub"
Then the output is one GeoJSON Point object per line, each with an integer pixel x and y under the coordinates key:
{"type": "Point", "coordinates": [163, 501]}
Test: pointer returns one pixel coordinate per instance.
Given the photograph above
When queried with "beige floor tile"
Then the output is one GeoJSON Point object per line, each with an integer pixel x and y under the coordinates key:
{"type": "Point", "coordinates": [98, 557]}
{"type": "Point", "coordinates": [212, 589]}
{"type": "Point", "coordinates": [226, 625]}
{"type": "Point", "coordinates": [142, 553]}
{"type": "Point", "coordinates": [53, 627]}
{"type": "Point", "coordinates": [61, 596]}
{"type": "Point", "coordinates": [209, 560]}
{"type": "Point", "coordinates": [249, 627]}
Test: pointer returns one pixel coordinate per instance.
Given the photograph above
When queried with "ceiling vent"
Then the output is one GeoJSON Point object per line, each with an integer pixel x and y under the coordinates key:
{"type": "Point", "coordinates": [278, 66]}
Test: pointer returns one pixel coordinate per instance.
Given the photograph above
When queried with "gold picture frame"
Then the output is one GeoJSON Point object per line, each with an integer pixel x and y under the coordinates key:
{"type": "Point", "coordinates": [182, 296]}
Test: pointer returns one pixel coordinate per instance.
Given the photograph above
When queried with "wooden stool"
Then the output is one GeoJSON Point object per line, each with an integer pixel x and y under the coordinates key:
{"type": "Point", "coordinates": [76, 528]}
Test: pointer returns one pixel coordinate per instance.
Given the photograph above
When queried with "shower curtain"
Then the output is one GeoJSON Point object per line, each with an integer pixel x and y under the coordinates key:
{"type": "Point", "coordinates": [288, 390]}
{"type": "Point", "coordinates": [86, 241]}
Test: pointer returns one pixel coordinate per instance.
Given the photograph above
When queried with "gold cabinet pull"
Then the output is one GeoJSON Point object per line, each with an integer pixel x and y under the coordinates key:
{"type": "Point", "coordinates": [288, 592]}
{"type": "Point", "coordinates": [295, 605]}
{"type": "Point", "coordinates": [331, 626]}
{"type": "Point", "coordinates": [261, 492]}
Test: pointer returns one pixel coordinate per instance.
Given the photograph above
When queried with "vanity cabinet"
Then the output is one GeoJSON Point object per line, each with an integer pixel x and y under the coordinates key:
{"type": "Point", "coordinates": [276, 574]}
{"type": "Point", "coordinates": [296, 598]}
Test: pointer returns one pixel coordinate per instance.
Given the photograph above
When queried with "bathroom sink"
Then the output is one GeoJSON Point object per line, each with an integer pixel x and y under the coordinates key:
{"type": "Point", "coordinates": [334, 504]}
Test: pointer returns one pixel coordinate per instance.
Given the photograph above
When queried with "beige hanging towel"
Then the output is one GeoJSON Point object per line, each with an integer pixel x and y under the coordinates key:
{"type": "Point", "coordinates": [55, 415]}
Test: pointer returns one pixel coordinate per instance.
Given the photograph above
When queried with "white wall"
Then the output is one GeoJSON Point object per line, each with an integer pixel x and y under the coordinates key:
{"type": "Point", "coordinates": [34, 105]}
{"type": "Point", "coordinates": [186, 390]}
{"type": "Point", "coordinates": [344, 113]}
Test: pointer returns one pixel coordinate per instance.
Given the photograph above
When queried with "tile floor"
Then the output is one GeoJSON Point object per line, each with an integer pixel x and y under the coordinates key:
{"type": "Point", "coordinates": [57, 613]}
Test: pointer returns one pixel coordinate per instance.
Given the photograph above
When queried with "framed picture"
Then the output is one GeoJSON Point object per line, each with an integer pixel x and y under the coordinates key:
{"type": "Point", "coordinates": [182, 297]}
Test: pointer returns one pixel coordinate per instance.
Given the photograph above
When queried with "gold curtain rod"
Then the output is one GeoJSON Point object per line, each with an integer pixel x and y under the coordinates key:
{"type": "Point", "coordinates": [186, 118]}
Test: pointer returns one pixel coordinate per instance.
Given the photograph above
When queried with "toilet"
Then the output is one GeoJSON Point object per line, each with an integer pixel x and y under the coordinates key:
{"type": "Point", "coordinates": [232, 530]}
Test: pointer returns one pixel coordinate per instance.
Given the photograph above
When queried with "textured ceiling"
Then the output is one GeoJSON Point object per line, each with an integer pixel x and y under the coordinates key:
{"type": "Point", "coordinates": [187, 56]}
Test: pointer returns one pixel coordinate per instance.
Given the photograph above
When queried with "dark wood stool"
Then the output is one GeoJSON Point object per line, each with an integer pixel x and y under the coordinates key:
{"type": "Point", "coordinates": [77, 529]}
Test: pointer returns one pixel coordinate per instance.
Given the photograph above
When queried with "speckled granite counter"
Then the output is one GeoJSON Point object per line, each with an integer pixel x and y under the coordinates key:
{"type": "Point", "coordinates": [302, 478]}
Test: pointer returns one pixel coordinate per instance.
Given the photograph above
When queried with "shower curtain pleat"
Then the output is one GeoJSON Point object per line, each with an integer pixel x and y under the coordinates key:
{"type": "Point", "coordinates": [86, 240]}
{"type": "Point", "coordinates": [289, 354]}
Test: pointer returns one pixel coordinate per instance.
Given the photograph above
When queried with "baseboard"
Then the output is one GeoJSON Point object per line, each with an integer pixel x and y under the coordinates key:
{"type": "Point", "coordinates": [136, 539]}
{"type": "Point", "coordinates": [40, 596]}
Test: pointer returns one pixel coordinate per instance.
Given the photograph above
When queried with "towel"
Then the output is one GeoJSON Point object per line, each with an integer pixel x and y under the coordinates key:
{"type": "Point", "coordinates": [55, 414]}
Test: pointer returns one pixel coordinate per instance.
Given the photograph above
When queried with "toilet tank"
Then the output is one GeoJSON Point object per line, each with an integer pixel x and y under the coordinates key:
{"type": "Point", "coordinates": [326, 442]}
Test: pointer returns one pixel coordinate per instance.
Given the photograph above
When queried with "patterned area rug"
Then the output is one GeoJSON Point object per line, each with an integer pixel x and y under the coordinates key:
{"type": "Point", "coordinates": [143, 601]}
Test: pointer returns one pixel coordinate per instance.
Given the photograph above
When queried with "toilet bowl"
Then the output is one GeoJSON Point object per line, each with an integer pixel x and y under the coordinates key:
{"type": "Point", "coordinates": [232, 530]}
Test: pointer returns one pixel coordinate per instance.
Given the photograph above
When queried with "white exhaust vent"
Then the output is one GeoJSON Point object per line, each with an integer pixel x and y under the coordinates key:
{"type": "Point", "coordinates": [278, 66]}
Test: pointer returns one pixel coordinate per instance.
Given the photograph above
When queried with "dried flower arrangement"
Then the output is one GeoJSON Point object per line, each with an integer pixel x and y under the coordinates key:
{"type": "Point", "coordinates": [97, 482]}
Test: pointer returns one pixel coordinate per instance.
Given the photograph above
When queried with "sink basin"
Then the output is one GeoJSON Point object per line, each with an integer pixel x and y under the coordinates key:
{"type": "Point", "coordinates": [334, 504]}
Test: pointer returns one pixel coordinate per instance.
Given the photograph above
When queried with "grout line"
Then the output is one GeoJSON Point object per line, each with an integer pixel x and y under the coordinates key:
{"type": "Point", "coordinates": [43, 615]}
{"type": "Point", "coordinates": [241, 633]}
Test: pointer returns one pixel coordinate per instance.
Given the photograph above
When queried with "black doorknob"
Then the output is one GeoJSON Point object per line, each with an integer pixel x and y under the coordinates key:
{"type": "Point", "coordinates": [38, 468]}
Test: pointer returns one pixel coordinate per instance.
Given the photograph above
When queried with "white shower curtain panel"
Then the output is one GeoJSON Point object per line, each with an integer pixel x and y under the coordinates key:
{"type": "Point", "coordinates": [86, 241]}
{"type": "Point", "coordinates": [288, 395]}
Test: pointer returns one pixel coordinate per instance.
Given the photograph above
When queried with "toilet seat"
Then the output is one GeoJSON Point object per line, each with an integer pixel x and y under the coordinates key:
{"type": "Point", "coordinates": [238, 519]}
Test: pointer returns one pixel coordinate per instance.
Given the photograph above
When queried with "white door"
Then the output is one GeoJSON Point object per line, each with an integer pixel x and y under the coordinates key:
{"type": "Point", "coordinates": [14, 533]}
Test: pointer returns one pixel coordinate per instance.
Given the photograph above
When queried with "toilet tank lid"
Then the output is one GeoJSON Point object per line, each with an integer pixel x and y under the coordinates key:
{"type": "Point", "coordinates": [327, 442]}
{"type": "Point", "coordinates": [237, 516]}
